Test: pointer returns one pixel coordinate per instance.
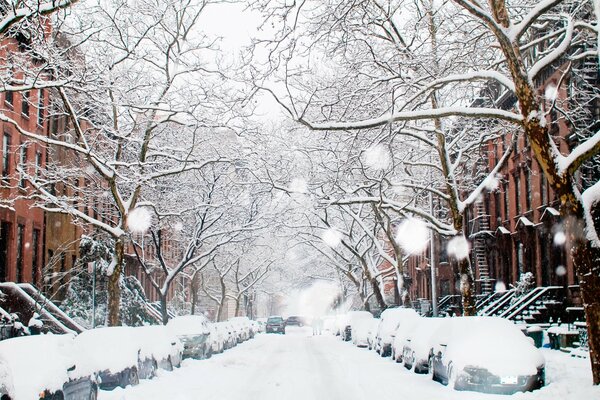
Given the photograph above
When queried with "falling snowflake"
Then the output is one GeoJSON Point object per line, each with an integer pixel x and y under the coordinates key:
{"type": "Point", "coordinates": [551, 92]}
{"type": "Point", "coordinates": [560, 238]}
{"type": "Point", "coordinates": [377, 157]}
{"type": "Point", "coordinates": [561, 270]}
{"type": "Point", "coordinates": [459, 248]}
{"type": "Point", "coordinates": [492, 182]}
{"type": "Point", "coordinates": [139, 219]}
{"type": "Point", "coordinates": [500, 287]}
{"type": "Point", "coordinates": [298, 185]}
{"type": "Point", "coordinates": [331, 237]}
{"type": "Point", "coordinates": [413, 235]}
{"type": "Point", "coordinates": [27, 246]}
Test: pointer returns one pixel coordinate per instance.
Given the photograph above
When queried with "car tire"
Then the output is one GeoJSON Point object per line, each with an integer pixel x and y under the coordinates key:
{"type": "Point", "coordinates": [432, 369]}
{"type": "Point", "coordinates": [94, 393]}
{"type": "Point", "coordinates": [130, 377]}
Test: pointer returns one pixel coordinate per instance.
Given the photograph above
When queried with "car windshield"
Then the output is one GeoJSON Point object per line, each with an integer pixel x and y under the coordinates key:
{"type": "Point", "coordinates": [289, 188]}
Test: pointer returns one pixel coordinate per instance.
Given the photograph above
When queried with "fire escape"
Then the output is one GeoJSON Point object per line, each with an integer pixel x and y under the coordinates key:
{"type": "Point", "coordinates": [480, 229]}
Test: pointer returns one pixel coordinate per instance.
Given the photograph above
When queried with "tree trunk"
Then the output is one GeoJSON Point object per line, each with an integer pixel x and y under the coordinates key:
{"type": "Point", "coordinates": [194, 286]}
{"type": "Point", "coordinates": [114, 287]}
{"type": "Point", "coordinates": [163, 308]}
{"type": "Point", "coordinates": [237, 307]}
{"type": "Point", "coordinates": [377, 293]}
{"type": "Point", "coordinates": [222, 302]}
{"type": "Point", "coordinates": [586, 260]}
{"type": "Point", "coordinates": [466, 287]}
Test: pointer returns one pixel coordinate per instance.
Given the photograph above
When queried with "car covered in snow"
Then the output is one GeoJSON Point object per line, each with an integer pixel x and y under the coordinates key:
{"type": "Point", "coordinates": [118, 355]}
{"type": "Point", "coordinates": [161, 344]}
{"type": "Point", "coordinates": [418, 343]}
{"type": "Point", "coordinates": [486, 354]}
{"type": "Point", "coordinates": [390, 320]}
{"type": "Point", "coordinates": [243, 327]}
{"type": "Point", "coordinates": [193, 332]}
{"type": "Point", "coordinates": [400, 335]}
{"type": "Point", "coordinates": [275, 324]}
{"type": "Point", "coordinates": [43, 366]}
{"type": "Point", "coordinates": [217, 338]}
{"type": "Point", "coordinates": [357, 327]}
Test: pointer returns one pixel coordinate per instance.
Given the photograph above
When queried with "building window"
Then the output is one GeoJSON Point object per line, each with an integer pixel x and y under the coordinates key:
{"type": "Point", "coordinates": [9, 98]}
{"type": "Point", "coordinates": [23, 155]}
{"type": "Point", "coordinates": [543, 188]}
{"type": "Point", "coordinates": [528, 188]}
{"type": "Point", "coordinates": [20, 242]}
{"type": "Point", "coordinates": [4, 244]}
{"type": "Point", "coordinates": [25, 104]}
{"type": "Point", "coordinates": [505, 201]}
{"type": "Point", "coordinates": [35, 244]}
{"type": "Point", "coordinates": [40, 108]}
{"type": "Point", "coordinates": [38, 163]}
{"type": "Point", "coordinates": [5, 156]}
{"type": "Point", "coordinates": [517, 192]}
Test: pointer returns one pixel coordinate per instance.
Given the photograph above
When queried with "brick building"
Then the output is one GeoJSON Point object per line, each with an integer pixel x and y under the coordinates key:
{"type": "Point", "coordinates": [21, 226]}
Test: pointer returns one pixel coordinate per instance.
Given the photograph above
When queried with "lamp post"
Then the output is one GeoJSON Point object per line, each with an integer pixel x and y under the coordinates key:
{"type": "Point", "coordinates": [94, 296]}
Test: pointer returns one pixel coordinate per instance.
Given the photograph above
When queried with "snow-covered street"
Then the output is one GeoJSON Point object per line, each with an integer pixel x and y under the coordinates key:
{"type": "Point", "coordinates": [301, 366]}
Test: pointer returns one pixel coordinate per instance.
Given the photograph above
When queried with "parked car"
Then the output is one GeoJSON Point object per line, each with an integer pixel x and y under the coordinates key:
{"type": "Point", "coordinates": [400, 335]}
{"type": "Point", "coordinates": [357, 320]}
{"type": "Point", "coordinates": [217, 338]}
{"type": "Point", "coordinates": [116, 354]}
{"type": "Point", "coordinates": [389, 322]}
{"type": "Point", "coordinates": [243, 328]}
{"type": "Point", "coordinates": [230, 335]}
{"type": "Point", "coordinates": [275, 324]}
{"type": "Point", "coordinates": [418, 343]}
{"type": "Point", "coordinates": [43, 366]}
{"type": "Point", "coordinates": [193, 332]}
{"type": "Point", "coordinates": [371, 337]}
{"type": "Point", "coordinates": [486, 354]}
{"type": "Point", "coordinates": [161, 345]}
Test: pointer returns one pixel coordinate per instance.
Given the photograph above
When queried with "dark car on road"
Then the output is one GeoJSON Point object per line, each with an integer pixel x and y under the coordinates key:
{"type": "Point", "coordinates": [275, 324]}
{"type": "Point", "coordinates": [294, 321]}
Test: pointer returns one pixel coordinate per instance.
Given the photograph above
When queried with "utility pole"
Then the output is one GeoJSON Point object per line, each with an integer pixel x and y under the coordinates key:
{"type": "Point", "coordinates": [94, 296]}
{"type": "Point", "coordinates": [434, 306]}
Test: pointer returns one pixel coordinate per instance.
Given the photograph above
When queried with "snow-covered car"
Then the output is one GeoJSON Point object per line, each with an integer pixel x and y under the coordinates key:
{"type": "Point", "coordinates": [349, 319]}
{"type": "Point", "coordinates": [42, 366]}
{"type": "Point", "coordinates": [400, 335]}
{"type": "Point", "coordinates": [193, 332]}
{"type": "Point", "coordinates": [217, 338]}
{"type": "Point", "coordinates": [262, 323]}
{"type": "Point", "coordinates": [372, 336]}
{"type": "Point", "coordinates": [358, 327]}
{"type": "Point", "coordinates": [116, 354]}
{"type": "Point", "coordinates": [418, 343]}
{"type": "Point", "coordinates": [329, 325]}
{"type": "Point", "coordinates": [486, 354]}
{"type": "Point", "coordinates": [390, 320]}
{"type": "Point", "coordinates": [242, 327]}
{"type": "Point", "coordinates": [275, 324]}
{"type": "Point", "coordinates": [160, 344]}
{"type": "Point", "coordinates": [229, 333]}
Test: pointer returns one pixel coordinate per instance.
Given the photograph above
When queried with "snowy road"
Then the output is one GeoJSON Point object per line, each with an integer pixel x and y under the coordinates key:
{"type": "Point", "coordinates": [300, 366]}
